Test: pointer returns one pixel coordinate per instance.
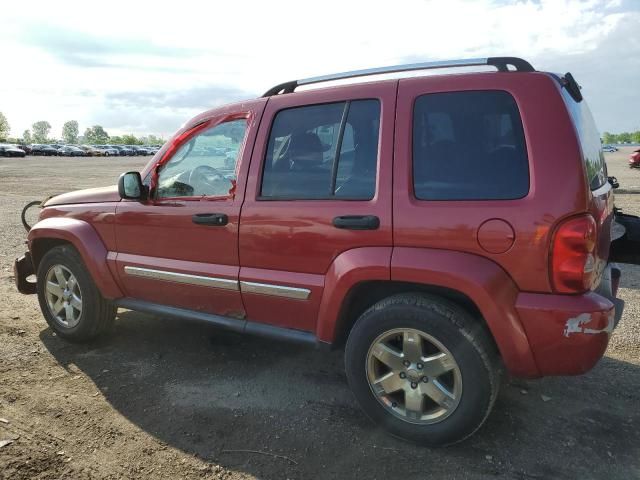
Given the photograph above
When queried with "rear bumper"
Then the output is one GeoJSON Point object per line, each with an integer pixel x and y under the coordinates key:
{"type": "Point", "coordinates": [569, 334]}
{"type": "Point", "coordinates": [22, 268]}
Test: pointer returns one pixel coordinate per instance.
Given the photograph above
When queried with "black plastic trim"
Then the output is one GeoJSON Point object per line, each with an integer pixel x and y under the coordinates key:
{"type": "Point", "coordinates": [502, 63]}
{"type": "Point", "coordinates": [22, 268]}
{"type": "Point", "coordinates": [228, 323]}
{"type": "Point", "coordinates": [626, 249]}
{"type": "Point", "coordinates": [286, 87]}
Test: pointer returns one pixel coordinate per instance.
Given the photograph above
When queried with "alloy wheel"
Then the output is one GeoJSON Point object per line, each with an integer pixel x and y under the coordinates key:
{"type": "Point", "coordinates": [414, 376]}
{"type": "Point", "coordinates": [64, 297]}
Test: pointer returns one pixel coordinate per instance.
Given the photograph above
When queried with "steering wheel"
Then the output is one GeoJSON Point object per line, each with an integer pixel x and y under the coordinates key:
{"type": "Point", "coordinates": [200, 181]}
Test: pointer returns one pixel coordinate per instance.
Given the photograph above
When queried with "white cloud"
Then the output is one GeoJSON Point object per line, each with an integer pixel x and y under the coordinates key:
{"type": "Point", "coordinates": [212, 51]}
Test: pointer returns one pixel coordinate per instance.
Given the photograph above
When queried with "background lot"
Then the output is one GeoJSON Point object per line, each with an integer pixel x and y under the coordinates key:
{"type": "Point", "coordinates": [166, 399]}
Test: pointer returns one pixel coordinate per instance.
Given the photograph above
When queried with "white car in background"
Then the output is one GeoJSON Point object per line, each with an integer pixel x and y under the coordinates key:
{"type": "Point", "coordinates": [106, 151]}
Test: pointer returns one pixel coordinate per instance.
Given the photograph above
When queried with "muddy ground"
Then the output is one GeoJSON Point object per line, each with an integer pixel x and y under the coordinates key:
{"type": "Point", "coordinates": [163, 399]}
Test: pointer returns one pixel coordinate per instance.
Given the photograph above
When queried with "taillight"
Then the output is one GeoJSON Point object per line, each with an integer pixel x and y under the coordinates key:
{"type": "Point", "coordinates": [573, 263]}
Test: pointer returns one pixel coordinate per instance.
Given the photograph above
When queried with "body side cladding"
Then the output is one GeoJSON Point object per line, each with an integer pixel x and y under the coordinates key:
{"type": "Point", "coordinates": [487, 285]}
{"type": "Point", "coordinates": [86, 241]}
{"type": "Point", "coordinates": [346, 271]}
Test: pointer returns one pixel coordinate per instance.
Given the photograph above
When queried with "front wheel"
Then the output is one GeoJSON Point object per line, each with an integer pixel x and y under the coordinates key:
{"type": "Point", "coordinates": [421, 367]}
{"type": "Point", "coordinates": [69, 299]}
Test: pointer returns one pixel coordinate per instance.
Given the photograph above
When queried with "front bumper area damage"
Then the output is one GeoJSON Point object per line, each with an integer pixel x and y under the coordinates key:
{"type": "Point", "coordinates": [22, 269]}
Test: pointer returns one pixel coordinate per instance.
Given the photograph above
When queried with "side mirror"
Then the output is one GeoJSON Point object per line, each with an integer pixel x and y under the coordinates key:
{"type": "Point", "coordinates": [130, 186]}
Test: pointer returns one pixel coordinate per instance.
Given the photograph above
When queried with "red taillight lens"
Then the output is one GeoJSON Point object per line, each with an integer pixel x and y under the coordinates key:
{"type": "Point", "coordinates": [573, 264]}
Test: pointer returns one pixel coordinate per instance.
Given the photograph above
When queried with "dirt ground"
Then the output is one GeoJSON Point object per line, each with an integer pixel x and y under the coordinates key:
{"type": "Point", "coordinates": [163, 399]}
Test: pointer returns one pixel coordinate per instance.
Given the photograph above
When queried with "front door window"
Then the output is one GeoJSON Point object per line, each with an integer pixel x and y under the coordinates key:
{"type": "Point", "coordinates": [205, 165]}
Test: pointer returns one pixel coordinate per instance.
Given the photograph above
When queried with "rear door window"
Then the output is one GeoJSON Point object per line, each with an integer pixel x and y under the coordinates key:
{"type": "Point", "coordinates": [469, 146]}
{"type": "Point", "coordinates": [323, 152]}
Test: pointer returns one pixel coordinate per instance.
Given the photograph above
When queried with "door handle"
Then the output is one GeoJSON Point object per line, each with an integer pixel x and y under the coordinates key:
{"type": "Point", "coordinates": [214, 219]}
{"type": "Point", "coordinates": [357, 222]}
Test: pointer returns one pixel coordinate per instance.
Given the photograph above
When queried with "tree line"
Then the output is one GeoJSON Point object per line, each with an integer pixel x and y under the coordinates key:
{"type": "Point", "coordinates": [96, 135]}
{"type": "Point", "coordinates": [624, 137]}
{"type": "Point", "coordinates": [40, 133]}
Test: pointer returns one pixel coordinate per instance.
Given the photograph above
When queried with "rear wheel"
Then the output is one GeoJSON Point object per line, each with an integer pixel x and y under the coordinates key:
{"type": "Point", "coordinates": [423, 368]}
{"type": "Point", "coordinates": [69, 299]}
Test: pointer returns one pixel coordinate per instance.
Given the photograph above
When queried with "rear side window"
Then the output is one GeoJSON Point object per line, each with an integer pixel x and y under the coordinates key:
{"type": "Point", "coordinates": [589, 138]}
{"type": "Point", "coordinates": [469, 146]}
{"type": "Point", "coordinates": [326, 151]}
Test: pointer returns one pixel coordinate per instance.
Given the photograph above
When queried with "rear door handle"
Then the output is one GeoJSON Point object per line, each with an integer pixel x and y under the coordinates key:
{"type": "Point", "coordinates": [213, 219]}
{"type": "Point", "coordinates": [357, 222]}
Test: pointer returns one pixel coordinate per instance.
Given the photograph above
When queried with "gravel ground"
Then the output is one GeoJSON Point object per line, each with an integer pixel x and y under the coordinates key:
{"type": "Point", "coordinates": [164, 399]}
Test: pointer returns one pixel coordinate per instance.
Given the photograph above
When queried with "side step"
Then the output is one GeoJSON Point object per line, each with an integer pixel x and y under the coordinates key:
{"type": "Point", "coordinates": [227, 323]}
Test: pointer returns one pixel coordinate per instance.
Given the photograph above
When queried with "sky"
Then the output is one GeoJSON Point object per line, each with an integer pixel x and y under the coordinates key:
{"type": "Point", "coordinates": [147, 67]}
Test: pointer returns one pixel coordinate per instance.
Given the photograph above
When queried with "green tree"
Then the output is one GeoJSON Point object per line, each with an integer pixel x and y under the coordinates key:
{"type": "Point", "coordinates": [624, 137]}
{"type": "Point", "coordinates": [70, 132]}
{"type": "Point", "coordinates": [152, 140]}
{"type": "Point", "coordinates": [41, 131]}
{"type": "Point", "coordinates": [96, 135]}
{"type": "Point", "coordinates": [26, 137]}
{"type": "Point", "coordinates": [116, 140]}
{"type": "Point", "coordinates": [4, 126]}
{"type": "Point", "coordinates": [130, 139]}
{"type": "Point", "coordinates": [608, 138]}
{"type": "Point", "coordinates": [635, 136]}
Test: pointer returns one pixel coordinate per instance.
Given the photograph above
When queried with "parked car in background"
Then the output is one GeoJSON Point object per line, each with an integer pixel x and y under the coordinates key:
{"type": "Point", "coordinates": [90, 151]}
{"type": "Point", "coordinates": [42, 149]}
{"type": "Point", "coordinates": [26, 148]}
{"type": "Point", "coordinates": [634, 159]}
{"type": "Point", "coordinates": [138, 150]}
{"type": "Point", "coordinates": [122, 150]}
{"type": "Point", "coordinates": [71, 151]}
{"type": "Point", "coordinates": [11, 151]}
{"type": "Point", "coordinates": [106, 150]}
{"type": "Point", "coordinates": [609, 148]}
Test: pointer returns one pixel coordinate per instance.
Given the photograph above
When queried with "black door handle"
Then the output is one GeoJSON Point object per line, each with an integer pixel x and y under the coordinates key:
{"type": "Point", "coordinates": [357, 222]}
{"type": "Point", "coordinates": [215, 219]}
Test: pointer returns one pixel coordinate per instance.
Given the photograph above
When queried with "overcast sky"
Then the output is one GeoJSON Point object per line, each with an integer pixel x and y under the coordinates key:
{"type": "Point", "coordinates": [141, 69]}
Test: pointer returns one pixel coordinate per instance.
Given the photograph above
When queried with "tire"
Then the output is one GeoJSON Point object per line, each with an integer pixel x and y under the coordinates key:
{"type": "Point", "coordinates": [440, 325]}
{"type": "Point", "coordinates": [96, 314]}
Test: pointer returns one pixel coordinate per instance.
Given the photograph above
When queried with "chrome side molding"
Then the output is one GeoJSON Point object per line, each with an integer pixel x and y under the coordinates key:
{"type": "Point", "coordinates": [185, 278]}
{"type": "Point", "coordinates": [275, 290]}
{"type": "Point", "coordinates": [296, 293]}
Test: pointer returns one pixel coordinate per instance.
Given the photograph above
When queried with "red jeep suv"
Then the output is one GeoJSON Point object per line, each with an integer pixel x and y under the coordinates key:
{"type": "Point", "coordinates": [440, 228]}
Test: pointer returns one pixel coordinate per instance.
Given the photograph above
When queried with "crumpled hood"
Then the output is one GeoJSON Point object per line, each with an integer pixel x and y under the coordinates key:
{"type": "Point", "coordinates": [90, 195]}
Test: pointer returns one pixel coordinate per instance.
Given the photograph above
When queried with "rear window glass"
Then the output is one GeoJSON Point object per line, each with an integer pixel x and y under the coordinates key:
{"type": "Point", "coordinates": [589, 138]}
{"type": "Point", "coordinates": [469, 146]}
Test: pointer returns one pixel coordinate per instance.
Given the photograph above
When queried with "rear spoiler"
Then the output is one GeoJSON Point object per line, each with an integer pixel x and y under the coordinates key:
{"type": "Point", "coordinates": [568, 82]}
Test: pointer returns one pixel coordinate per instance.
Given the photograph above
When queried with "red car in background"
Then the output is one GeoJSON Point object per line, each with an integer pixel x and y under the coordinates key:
{"type": "Point", "coordinates": [634, 159]}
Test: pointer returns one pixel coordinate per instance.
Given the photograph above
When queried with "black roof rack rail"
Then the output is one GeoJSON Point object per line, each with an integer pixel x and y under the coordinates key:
{"type": "Point", "coordinates": [501, 63]}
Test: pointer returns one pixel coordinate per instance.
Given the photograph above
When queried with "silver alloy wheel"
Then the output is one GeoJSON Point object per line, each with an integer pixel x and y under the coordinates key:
{"type": "Point", "coordinates": [64, 297]}
{"type": "Point", "coordinates": [414, 376]}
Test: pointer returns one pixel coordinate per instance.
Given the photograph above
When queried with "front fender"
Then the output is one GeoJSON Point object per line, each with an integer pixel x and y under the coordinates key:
{"type": "Point", "coordinates": [485, 283]}
{"type": "Point", "coordinates": [86, 241]}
